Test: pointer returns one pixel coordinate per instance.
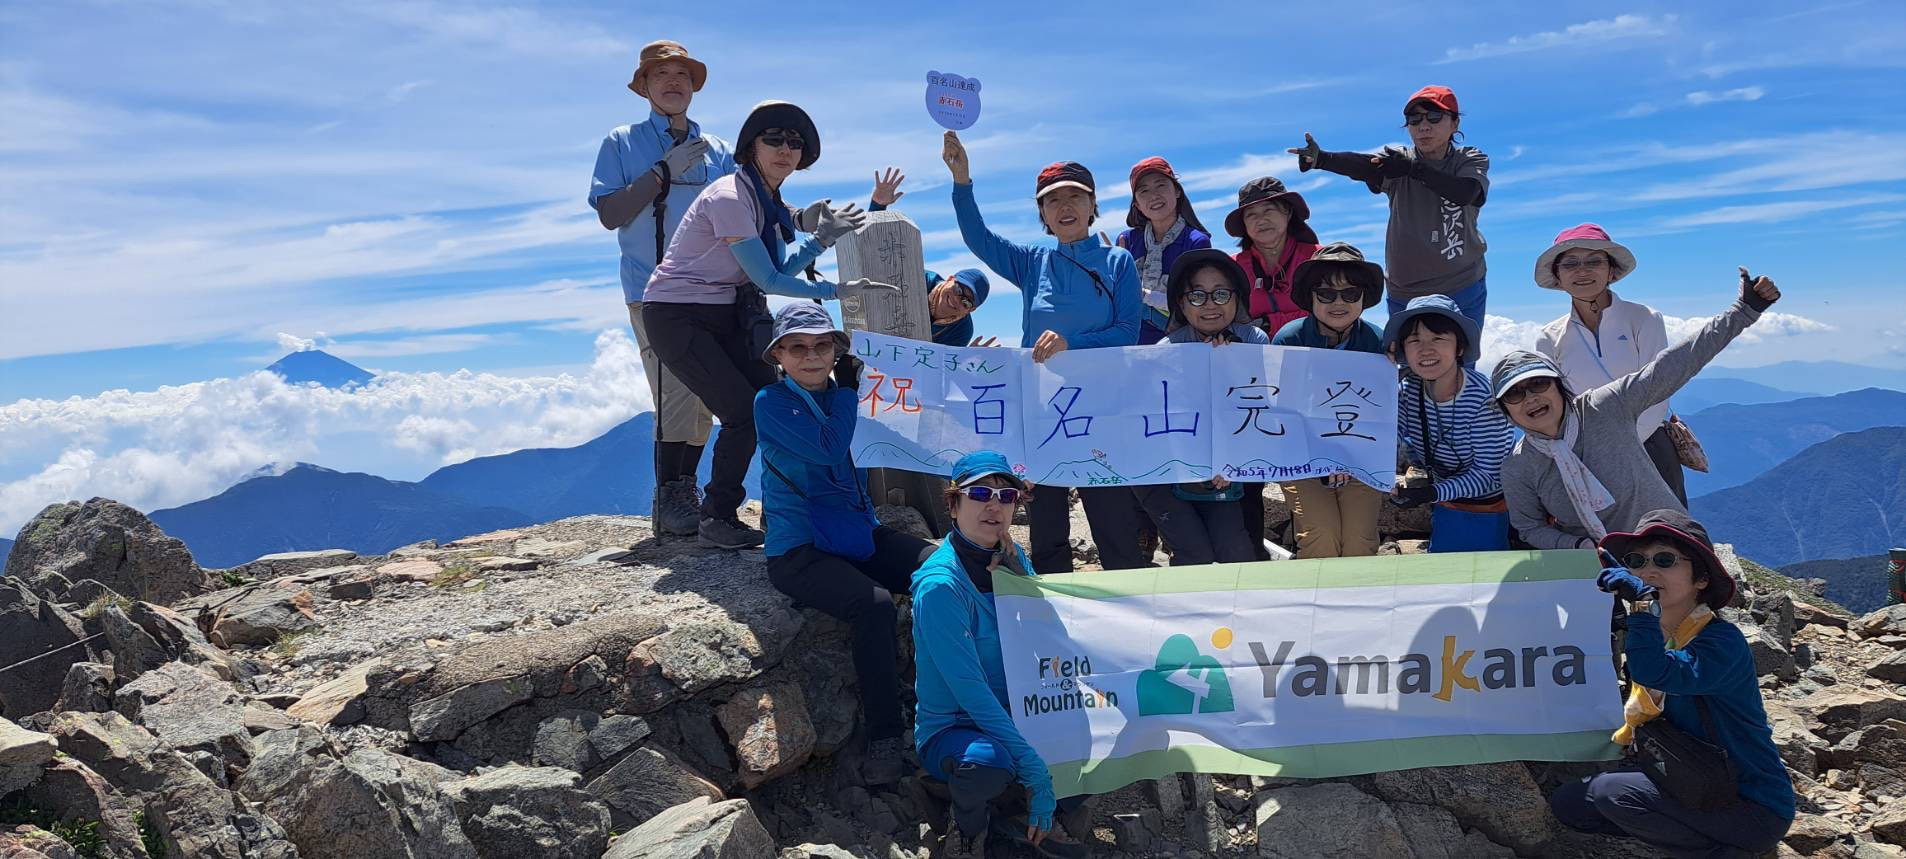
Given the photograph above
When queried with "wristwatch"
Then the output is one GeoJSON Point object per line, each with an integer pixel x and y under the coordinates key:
{"type": "Point", "coordinates": [1652, 607]}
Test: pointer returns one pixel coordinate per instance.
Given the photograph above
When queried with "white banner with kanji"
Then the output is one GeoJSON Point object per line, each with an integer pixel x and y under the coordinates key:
{"type": "Point", "coordinates": [1168, 413]}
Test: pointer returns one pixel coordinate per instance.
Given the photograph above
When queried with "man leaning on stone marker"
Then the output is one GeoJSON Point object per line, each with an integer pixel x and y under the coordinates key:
{"type": "Point", "coordinates": [646, 175]}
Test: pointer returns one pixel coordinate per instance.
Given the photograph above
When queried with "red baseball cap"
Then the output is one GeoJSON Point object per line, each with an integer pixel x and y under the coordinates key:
{"type": "Point", "coordinates": [1442, 97]}
{"type": "Point", "coordinates": [1064, 174]}
{"type": "Point", "coordinates": [1153, 164]}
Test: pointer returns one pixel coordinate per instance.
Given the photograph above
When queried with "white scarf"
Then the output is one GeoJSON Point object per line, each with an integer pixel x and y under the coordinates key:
{"type": "Point", "coordinates": [1585, 493]}
{"type": "Point", "coordinates": [1151, 269]}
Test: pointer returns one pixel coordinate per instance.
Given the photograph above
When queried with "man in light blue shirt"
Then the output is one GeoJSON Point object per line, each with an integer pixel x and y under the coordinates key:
{"type": "Point", "coordinates": [646, 175]}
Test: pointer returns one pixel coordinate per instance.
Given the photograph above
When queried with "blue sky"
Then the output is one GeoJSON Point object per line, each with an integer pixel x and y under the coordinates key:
{"type": "Point", "coordinates": [186, 188]}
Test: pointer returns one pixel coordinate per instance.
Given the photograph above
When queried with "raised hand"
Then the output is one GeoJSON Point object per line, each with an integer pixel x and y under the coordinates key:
{"type": "Point", "coordinates": [1759, 293]}
{"type": "Point", "coordinates": [984, 341]}
{"type": "Point", "coordinates": [953, 152]}
{"type": "Point", "coordinates": [887, 186]}
{"type": "Point", "coordinates": [1309, 154]}
{"type": "Point", "coordinates": [834, 223]}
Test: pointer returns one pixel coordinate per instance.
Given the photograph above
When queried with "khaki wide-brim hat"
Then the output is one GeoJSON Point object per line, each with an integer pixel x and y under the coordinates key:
{"type": "Point", "coordinates": [661, 51]}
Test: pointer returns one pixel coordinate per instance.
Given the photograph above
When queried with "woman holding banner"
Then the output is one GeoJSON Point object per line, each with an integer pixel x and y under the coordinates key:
{"type": "Point", "coordinates": [1450, 427]}
{"type": "Point", "coordinates": [1687, 664]}
{"type": "Point", "coordinates": [1579, 472]}
{"type": "Point", "coordinates": [1159, 227]}
{"type": "Point", "coordinates": [1204, 522]}
{"type": "Point", "coordinates": [1078, 294]}
{"type": "Point", "coordinates": [963, 726]}
{"type": "Point", "coordinates": [1335, 516]}
{"type": "Point", "coordinates": [825, 549]}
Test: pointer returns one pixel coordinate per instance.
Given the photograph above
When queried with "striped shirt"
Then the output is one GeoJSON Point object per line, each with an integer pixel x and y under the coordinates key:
{"type": "Point", "coordinates": [1467, 438]}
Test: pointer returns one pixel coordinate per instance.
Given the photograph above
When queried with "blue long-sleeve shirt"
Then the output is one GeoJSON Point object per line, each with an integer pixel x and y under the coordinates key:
{"type": "Point", "coordinates": [1718, 666]}
{"type": "Point", "coordinates": [959, 673]}
{"type": "Point", "coordinates": [626, 154]}
{"type": "Point", "coordinates": [1467, 438]}
{"type": "Point", "coordinates": [812, 448]}
{"type": "Point", "coordinates": [1060, 292]}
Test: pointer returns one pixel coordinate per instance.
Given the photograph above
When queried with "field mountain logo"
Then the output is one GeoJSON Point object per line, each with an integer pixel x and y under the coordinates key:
{"type": "Point", "coordinates": [1182, 681]}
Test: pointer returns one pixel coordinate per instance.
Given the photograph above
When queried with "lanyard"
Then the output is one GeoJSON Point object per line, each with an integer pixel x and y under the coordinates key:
{"type": "Point", "coordinates": [1594, 351]}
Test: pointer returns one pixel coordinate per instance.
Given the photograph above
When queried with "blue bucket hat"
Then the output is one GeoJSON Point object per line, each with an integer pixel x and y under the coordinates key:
{"type": "Point", "coordinates": [803, 317]}
{"type": "Point", "coordinates": [1431, 305]}
{"type": "Point", "coordinates": [1516, 366]}
{"type": "Point", "coordinates": [981, 464]}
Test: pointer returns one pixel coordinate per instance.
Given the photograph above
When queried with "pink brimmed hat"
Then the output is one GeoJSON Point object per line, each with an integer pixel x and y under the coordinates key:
{"type": "Point", "coordinates": [1590, 236]}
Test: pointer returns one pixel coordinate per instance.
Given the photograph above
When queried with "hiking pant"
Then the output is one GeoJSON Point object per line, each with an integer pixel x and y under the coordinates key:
{"type": "Point", "coordinates": [1661, 452]}
{"type": "Point", "coordinates": [860, 593]}
{"type": "Point", "coordinates": [1109, 511]}
{"type": "Point", "coordinates": [679, 414]}
{"type": "Point", "coordinates": [1453, 530]}
{"type": "Point", "coordinates": [1200, 532]}
{"type": "Point", "coordinates": [1333, 523]}
{"type": "Point", "coordinates": [1472, 300]}
{"type": "Point", "coordinates": [704, 346]}
{"type": "Point", "coordinates": [1627, 803]}
{"type": "Point", "coordinates": [1253, 509]}
{"type": "Point", "coordinates": [976, 771]}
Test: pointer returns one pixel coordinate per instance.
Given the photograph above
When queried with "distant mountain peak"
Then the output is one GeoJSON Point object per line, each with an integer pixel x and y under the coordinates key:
{"type": "Point", "coordinates": [316, 365]}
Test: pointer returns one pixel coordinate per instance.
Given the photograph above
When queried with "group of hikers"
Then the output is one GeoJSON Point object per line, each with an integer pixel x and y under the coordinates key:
{"type": "Point", "coordinates": [1572, 446]}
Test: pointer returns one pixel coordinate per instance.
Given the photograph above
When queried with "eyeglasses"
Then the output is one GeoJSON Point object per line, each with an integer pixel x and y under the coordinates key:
{"type": "Point", "coordinates": [1591, 263]}
{"type": "Point", "coordinates": [1197, 297]}
{"type": "Point", "coordinates": [823, 349]}
{"type": "Point", "coordinates": [1522, 390]}
{"type": "Point", "coordinates": [1326, 295]}
{"type": "Point", "coordinates": [786, 139]}
{"type": "Point", "coordinates": [1432, 117]}
{"type": "Point", "coordinates": [983, 494]}
{"type": "Point", "coordinates": [1664, 560]}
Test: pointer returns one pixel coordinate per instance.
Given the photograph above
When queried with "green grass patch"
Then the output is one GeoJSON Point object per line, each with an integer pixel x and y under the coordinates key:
{"type": "Point", "coordinates": [83, 835]}
{"type": "Point", "coordinates": [288, 643]}
{"type": "Point", "coordinates": [150, 836]}
{"type": "Point", "coordinates": [455, 575]}
{"type": "Point", "coordinates": [102, 602]}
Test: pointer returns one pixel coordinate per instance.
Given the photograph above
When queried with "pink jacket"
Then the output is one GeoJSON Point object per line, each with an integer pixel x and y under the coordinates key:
{"type": "Point", "coordinates": [1271, 304]}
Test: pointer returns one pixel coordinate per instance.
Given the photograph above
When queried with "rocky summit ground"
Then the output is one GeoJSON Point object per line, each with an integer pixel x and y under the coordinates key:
{"type": "Point", "coordinates": [583, 689]}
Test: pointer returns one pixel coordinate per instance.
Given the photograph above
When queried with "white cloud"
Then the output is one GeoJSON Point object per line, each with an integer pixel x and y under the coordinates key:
{"type": "Point", "coordinates": [1747, 93]}
{"type": "Point", "coordinates": [294, 343]}
{"type": "Point", "coordinates": [1502, 335]}
{"type": "Point", "coordinates": [154, 449]}
{"type": "Point", "coordinates": [1754, 213]}
{"type": "Point", "coordinates": [1588, 32]}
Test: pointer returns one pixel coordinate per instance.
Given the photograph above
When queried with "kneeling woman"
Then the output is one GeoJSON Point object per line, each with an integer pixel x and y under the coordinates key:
{"type": "Point", "coordinates": [963, 729]}
{"type": "Point", "coordinates": [1204, 522]}
{"type": "Point", "coordinates": [1450, 426]}
{"type": "Point", "coordinates": [1688, 664]}
{"type": "Point", "coordinates": [824, 547]}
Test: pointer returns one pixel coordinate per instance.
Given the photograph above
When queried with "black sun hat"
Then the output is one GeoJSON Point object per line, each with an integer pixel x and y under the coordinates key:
{"type": "Point", "coordinates": [1337, 256]}
{"type": "Point", "coordinates": [1178, 282]}
{"type": "Point", "coordinates": [1680, 529]}
{"type": "Point", "coordinates": [780, 114]}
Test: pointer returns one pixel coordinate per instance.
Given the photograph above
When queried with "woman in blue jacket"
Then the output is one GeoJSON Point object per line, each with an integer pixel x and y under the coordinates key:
{"type": "Point", "coordinates": [1686, 663]}
{"type": "Point", "coordinates": [1079, 295]}
{"type": "Point", "coordinates": [824, 547]}
{"type": "Point", "coordinates": [963, 728]}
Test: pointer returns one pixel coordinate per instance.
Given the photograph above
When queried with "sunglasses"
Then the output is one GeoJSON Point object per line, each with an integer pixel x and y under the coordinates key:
{"type": "Point", "coordinates": [1522, 390]}
{"type": "Point", "coordinates": [1664, 560]}
{"type": "Point", "coordinates": [1326, 295]}
{"type": "Point", "coordinates": [1590, 263]}
{"type": "Point", "coordinates": [983, 494]}
{"type": "Point", "coordinates": [1198, 297]}
{"type": "Point", "coordinates": [787, 139]}
{"type": "Point", "coordinates": [963, 295]}
{"type": "Point", "coordinates": [823, 349]}
{"type": "Point", "coordinates": [1432, 117]}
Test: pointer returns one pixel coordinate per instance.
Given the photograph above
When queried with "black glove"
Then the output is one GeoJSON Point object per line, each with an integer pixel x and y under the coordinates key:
{"type": "Point", "coordinates": [1395, 164]}
{"type": "Point", "coordinates": [847, 371]}
{"type": "Point", "coordinates": [1410, 496]}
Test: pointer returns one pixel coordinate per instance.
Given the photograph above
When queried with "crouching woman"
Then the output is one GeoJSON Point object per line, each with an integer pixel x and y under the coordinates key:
{"type": "Point", "coordinates": [963, 729]}
{"type": "Point", "coordinates": [1690, 666]}
{"type": "Point", "coordinates": [824, 547]}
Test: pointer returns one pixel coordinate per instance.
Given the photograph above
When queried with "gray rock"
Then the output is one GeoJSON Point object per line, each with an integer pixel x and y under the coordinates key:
{"type": "Point", "coordinates": [816, 851]}
{"type": "Point", "coordinates": [1776, 613]}
{"type": "Point", "coordinates": [768, 730]}
{"type": "Point", "coordinates": [145, 636]}
{"type": "Point", "coordinates": [605, 556]}
{"type": "Point", "coordinates": [88, 688]}
{"type": "Point", "coordinates": [1891, 669]}
{"type": "Point", "coordinates": [1500, 799]}
{"type": "Point", "coordinates": [616, 734]}
{"type": "Point", "coordinates": [261, 614]}
{"type": "Point", "coordinates": [562, 740]}
{"type": "Point", "coordinates": [278, 565]}
{"type": "Point", "coordinates": [697, 656]}
{"type": "Point", "coordinates": [1889, 825]}
{"type": "Point", "coordinates": [110, 543]}
{"type": "Point", "coordinates": [698, 829]}
{"type": "Point", "coordinates": [280, 758]}
{"type": "Point", "coordinates": [70, 790]}
{"type": "Point", "coordinates": [1800, 748]}
{"type": "Point", "coordinates": [22, 754]}
{"type": "Point", "coordinates": [87, 591]}
{"type": "Point", "coordinates": [1326, 820]}
{"type": "Point", "coordinates": [1770, 655]}
{"type": "Point", "coordinates": [1134, 831]}
{"type": "Point", "coordinates": [1811, 833]}
{"type": "Point", "coordinates": [528, 813]}
{"type": "Point", "coordinates": [1890, 620]}
{"type": "Point", "coordinates": [32, 627]}
{"type": "Point", "coordinates": [1840, 711]}
{"type": "Point", "coordinates": [338, 701]}
{"type": "Point", "coordinates": [353, 589]}
{"type": "Point", "coordinates": [370, 803]}
{"type": "Point", "coordinates": [647, 782]}
{"type": "Point", "coordinates": [261, 717]}
{"type": "Point", "coordinates": [445, 716]}
{"type": "Point", "coordinates": [189, 711]}
{"type": "Point", "coordinates": [1434, 834]}
{"type": "Point", "coordinates": [27, 841]}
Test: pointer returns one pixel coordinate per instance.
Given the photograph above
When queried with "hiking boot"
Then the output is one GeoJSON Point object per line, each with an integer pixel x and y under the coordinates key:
{"type": "Point", "coordinates": [959, 845]}
{"type": "Point", "coordinates": [886, 762]}
{"type": "Point", "coordinates": [729, 533]}
{"type": "Point", "coordinates": [1059, 843]}
{"type": "Point", "coordinates": [678, 508]}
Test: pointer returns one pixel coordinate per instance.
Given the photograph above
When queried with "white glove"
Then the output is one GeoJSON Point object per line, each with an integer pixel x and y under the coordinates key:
{"type": "Point", "coordinates": [827, 223]}
{"type": "Point", "coordinates": [864, 283]}
{"type": "Point", "coordinates": [684, 156]}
